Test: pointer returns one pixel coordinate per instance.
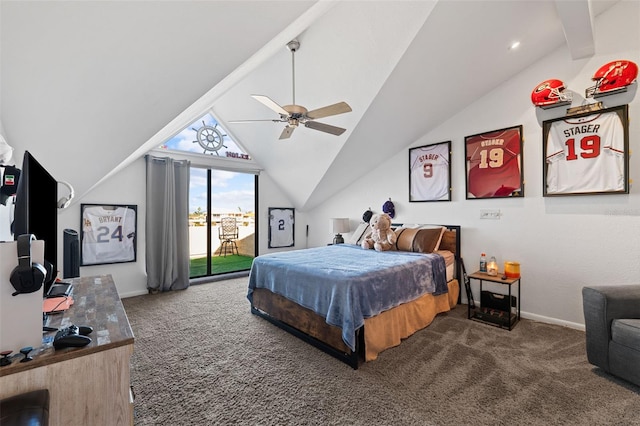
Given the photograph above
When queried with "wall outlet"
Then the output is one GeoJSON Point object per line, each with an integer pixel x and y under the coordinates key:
{"type": "Point", "coordinates": [489, 214]}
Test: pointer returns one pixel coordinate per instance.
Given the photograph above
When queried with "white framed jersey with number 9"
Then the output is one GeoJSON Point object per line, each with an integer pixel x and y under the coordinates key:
{"type": "Point", "coordinates": [429, 167]}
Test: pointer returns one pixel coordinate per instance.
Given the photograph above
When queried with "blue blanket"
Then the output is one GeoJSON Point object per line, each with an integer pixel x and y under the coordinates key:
{"type": "Point", "coordinates": [346, 284]}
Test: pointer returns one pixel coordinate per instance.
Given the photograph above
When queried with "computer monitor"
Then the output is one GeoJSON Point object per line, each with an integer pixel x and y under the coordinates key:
{"type": "Point", "coordinates": [36, 207]}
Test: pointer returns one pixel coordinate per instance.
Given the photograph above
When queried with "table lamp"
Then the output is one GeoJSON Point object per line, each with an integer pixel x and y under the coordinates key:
{"type": "Point", "coordinates": [340, 225]}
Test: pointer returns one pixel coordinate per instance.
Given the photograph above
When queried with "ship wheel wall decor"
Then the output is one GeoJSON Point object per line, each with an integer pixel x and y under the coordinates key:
{"type": "Point", "coordinates": [210, 138]}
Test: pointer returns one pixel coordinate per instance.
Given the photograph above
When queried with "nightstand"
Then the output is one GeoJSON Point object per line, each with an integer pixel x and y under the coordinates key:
{"type": "Point", "coordinates": [501, 313]}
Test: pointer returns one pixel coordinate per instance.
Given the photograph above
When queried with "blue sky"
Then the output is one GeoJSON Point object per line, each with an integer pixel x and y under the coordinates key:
{"type": "Point", "coordinates": [231, 191]}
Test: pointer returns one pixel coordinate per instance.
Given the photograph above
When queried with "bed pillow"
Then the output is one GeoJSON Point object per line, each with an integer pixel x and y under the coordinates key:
{"type": "Point", "coordinates": [419, 240]}
{"type": "Point", "coordinates": [427, 240]}
{"type": "Point", "coordinates": [404, 238]}
{"type": "Point", "coordinates": [357, 235]}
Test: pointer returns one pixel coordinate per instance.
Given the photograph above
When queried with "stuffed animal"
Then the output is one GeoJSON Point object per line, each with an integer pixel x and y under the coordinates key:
{"type": "Point", "coordinates": [382, 236]}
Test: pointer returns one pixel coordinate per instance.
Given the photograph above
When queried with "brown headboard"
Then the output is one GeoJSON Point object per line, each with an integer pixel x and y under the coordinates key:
{"type": "Point", "coordinates": [450, 241]}
{"type": "Point", "coordinates": [450, 238]}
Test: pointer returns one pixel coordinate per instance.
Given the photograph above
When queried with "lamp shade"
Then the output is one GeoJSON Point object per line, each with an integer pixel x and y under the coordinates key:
{"type": "Point", "coordinates": [340, 225]}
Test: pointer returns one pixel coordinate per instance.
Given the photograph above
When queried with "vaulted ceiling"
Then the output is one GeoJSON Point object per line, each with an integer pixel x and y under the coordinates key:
{"type": "Point", "coordinates": [90, 86]}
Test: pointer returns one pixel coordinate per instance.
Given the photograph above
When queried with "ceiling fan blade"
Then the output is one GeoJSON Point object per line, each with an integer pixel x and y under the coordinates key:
{"type": "Point", "coordinates": [325, 128]}
{"type": "Point", "coordinates": [270, 103]}
{"type": "Point", "coordinates": [335, 109]}
{"type": "Point", "coordinates": [287, 132]}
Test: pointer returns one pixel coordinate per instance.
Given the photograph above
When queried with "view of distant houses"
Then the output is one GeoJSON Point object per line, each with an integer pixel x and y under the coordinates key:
{"type": "Point", "coordinates": [199, 218]}
{"type": "Point", "coordinates": [245, 222]}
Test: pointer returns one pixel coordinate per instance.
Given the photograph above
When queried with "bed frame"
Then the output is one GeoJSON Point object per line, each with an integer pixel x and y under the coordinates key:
{"type": "Point", "coordinates": [312, 328]}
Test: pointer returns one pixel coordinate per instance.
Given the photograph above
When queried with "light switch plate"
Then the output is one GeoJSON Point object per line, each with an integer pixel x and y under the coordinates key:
{"type": "Point", "coordinates": [490, 214]}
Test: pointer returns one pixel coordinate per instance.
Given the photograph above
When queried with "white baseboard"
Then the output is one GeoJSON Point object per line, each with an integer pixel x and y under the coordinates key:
{"type": "Point", "coordinates": [133, 293]}
{"type": "Point", "coordinates": [549, 320]}
{"type": "Point", "coordinates": [193, 281]}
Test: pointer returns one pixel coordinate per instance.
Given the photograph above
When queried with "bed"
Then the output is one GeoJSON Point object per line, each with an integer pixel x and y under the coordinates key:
{"type": "Point", "coordinates": [354, 303]}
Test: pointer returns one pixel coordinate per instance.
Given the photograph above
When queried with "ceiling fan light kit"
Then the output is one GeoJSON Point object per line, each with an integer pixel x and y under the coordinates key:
{"type": "Point", "coordinates": [295, 115]}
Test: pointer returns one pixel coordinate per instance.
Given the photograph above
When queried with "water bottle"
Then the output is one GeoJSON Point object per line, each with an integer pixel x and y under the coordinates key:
{"type": "Point", "coordinates": [483, 263]}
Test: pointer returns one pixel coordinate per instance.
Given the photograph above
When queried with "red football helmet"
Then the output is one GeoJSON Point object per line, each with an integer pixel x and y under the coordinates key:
{"type": "Point", "coordinates": [612, 76]}
{"type": "Point", "coordinates": [550, 92]}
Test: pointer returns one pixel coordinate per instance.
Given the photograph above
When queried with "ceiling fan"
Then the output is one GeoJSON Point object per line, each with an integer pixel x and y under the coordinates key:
{"type": "Point", "coordinates": [294, 114]}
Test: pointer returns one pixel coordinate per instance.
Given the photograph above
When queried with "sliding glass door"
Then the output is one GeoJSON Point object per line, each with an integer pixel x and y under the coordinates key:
{"type": "Point", "coordinates": [222, 221]}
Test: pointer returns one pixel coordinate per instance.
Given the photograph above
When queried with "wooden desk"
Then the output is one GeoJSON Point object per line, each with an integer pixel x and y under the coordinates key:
{"type": "Point", "coordinates": [88, 385]}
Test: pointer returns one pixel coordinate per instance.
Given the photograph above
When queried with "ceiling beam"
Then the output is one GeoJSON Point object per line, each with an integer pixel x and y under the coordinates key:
{"type": "Point", "coordinates": [577, 23]}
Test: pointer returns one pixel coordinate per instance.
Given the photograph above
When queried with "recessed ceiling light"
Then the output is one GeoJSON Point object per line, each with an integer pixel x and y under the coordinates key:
{"type": "Point", "coordinates": [514, 45]}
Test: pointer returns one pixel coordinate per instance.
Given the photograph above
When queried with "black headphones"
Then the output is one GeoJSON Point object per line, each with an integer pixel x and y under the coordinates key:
{"type": "Point", "coordinates": [27, 277]}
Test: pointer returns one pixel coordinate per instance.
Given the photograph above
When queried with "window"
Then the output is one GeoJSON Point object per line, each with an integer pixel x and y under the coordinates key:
{"type": "Point", "coordinates": [217, 196]}
{"type": "Point", "coordinates": [222, 186]}
{"type": "Point", "coordinates": [205, 136]}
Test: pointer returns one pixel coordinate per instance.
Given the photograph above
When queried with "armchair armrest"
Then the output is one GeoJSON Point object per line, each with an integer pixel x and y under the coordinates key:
{"type": "Point", "coordinates": [601, 305]}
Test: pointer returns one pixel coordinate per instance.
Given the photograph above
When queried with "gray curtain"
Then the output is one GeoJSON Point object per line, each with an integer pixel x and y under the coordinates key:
{"type": "Point", "coordinates": [167, 224]}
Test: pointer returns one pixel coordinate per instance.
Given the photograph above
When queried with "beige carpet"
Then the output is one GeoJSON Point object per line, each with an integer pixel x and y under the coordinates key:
{"type": "Point", "coordinates": [201, 358]}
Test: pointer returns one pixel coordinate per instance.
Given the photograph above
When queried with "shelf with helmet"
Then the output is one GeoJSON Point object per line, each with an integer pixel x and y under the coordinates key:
{"type": "Point", "coordinates": [551, 93]}
{"type": "Point", "coordinates": [612, 78]}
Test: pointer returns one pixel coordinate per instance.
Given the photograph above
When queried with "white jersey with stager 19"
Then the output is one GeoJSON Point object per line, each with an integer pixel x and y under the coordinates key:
{"type": "Point", "coordinates": [430, 172]}
{"type": "Point", "coordinates": [586, 154]}
{"type": "Point", "coordinates": [281, 225]}
{"type": "Point", "coordinates": [108, 235]}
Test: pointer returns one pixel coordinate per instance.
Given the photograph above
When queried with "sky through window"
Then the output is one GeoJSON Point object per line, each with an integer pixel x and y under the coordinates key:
{"type": "Point", "coordinates": [231, 191]}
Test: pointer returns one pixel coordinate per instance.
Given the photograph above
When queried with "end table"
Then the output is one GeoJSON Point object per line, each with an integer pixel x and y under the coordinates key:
{"type": "Point", "coordinates": [496, 317]}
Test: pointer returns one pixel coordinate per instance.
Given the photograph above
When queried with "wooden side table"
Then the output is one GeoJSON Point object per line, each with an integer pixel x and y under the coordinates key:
{"type": "Point", "coordinates": [496, 317]}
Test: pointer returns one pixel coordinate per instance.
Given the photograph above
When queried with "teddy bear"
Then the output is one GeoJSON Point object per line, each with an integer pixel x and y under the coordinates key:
{"type": "Point", "coordinates": [382, 236]}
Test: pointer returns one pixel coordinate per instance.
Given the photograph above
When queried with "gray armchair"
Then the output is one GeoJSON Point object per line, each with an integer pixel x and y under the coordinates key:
{"type": "Point", "coordinates": [612, 324]}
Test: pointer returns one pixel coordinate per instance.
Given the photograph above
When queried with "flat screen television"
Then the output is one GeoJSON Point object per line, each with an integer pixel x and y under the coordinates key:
{"type": "Point", "coordinates": [36, 207]}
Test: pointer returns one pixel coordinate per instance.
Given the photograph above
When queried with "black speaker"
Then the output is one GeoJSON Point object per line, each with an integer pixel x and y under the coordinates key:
{"type": "Point", "coordinates": [71, 253]}
{"type": "Point", "coordinates": [28, 276]}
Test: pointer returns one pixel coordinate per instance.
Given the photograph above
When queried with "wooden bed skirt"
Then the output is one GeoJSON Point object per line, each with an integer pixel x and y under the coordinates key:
{"type": "Point", "coordinates": [381, 332]}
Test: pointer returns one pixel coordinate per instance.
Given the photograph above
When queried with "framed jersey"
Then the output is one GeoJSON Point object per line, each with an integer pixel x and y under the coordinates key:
{"type": "Point", "coordinates": [281, 227]}
{"type": "Point", "coordinates": [587, 153]}
{"type": "Point", "coordinates": [493, 163]}
{"type": "Point", "coordinates": [430, 172]}
{"type": "Point", "coordinates": [108, 234]}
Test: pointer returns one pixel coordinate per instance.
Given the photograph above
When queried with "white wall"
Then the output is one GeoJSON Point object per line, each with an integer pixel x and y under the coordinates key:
{"type": "Point", "coordinates": [128, 187]}
{"type": "Point", "coordinates": [272, 196]}
{"type": "Point", "coordinates": [562, 243]}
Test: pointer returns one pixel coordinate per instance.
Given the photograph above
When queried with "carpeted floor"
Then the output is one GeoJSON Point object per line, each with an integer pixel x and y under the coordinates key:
{"type": "Point", "coordinates": [201, 358]}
